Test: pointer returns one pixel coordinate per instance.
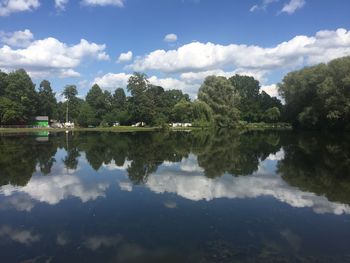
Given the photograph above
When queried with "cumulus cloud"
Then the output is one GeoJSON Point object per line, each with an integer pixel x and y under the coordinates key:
{"type": "Point", "coordinates": [48, 56]}
{"type": "Point", "coordinates": [272, 90]}
{"type": "Point", "coordinates": [111, 81]}
{"type": "Point", "coordinates": [54, 189]}
{"type": "Point", "coordinates": [170, 38]}
{"type": "Point", "coordinates": [292, 6]}
{"type": "Point", "coordinates": [17, 38]}
{"type": "Point", "coordinates": [119, 3]}
{"type": "Point", "coordinates": [195, 187]}
{"type": "Point", "coordinates": [198, 57]}
{"type": "Point", "coordinates": [8, 7]}
{"type": "Point", "coordinates": [125, 57]}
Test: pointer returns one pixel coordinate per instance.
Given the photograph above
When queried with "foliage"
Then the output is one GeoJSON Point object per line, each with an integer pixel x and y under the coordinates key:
{"type": "Point", "coordinates": [318, 97]}
{"type": "Point", "coordinates": [253, 104]}
{"type": "Point", "coordinates": [221, 102]}
{"type": "Point", "coordinates": [219, 94]}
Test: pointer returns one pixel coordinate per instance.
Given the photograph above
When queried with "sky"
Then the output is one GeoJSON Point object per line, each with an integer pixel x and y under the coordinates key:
{"type": "Point", "coordinates": [177, 43]}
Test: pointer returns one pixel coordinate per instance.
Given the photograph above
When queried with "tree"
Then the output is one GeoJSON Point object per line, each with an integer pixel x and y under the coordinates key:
{"type": "Point", "coordinates": [21, 90]}
{"type": "Point", "coordinates": [47, 99]}
{"type": "Point", "coordinates": [70, 92]}
{"type": "Point", "coordinates": [87, 116]}
{"type": "Point", "coordinates": [11, 112]}
{"type": "Point", "coordinates": [119, 99]}
{"type": "Point", "coordinates": [318, 97]}
{"type": "Point", "coordinates": [272, 115]}
{"type": "Point", "coordinates": [219, 94]}
{"type": "Point", "coordinates": [142, 107]}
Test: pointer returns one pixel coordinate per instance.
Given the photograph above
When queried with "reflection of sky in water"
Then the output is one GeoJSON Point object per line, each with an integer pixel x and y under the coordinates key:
{"type": "Point", "coordinates": [103, 216]}
{"type": "Point", "coordinates": [184, 179]}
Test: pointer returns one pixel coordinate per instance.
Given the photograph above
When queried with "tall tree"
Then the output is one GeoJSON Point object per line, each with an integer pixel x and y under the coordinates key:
{"type": "Point", "coordinates": [219, 94]}
{"type": "Point", "coordinates": [70, 92]}
{"type": "Point", "coordinates": [142, 107]}
{"type": "Point", "coordinates": [47, 99]}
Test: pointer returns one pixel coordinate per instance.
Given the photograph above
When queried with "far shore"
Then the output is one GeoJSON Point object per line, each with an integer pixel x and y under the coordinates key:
{"type": "Point", "coordinates": [250, 126]}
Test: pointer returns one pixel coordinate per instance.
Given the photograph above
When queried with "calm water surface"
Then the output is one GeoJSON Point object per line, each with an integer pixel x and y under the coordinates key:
{"type": "Point", "coordinates": [175, 197]}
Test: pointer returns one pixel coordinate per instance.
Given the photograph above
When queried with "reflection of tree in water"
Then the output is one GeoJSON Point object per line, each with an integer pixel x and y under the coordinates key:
{"type": "Point", "coordinates": [19, 156]}
{"type": "Point", "coordinates": [318, 164]}
{"type": "Point", "coordinates": [238, 154]}
{"type": "Point", "coordinates": [218, 152]}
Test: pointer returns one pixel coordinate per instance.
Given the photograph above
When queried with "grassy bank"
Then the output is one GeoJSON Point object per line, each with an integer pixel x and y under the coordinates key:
{"type": "Point", "coordinates": [246, 126]}
{"type": "Point", "coordinates": [97, 129]}
{"type": "Point", "coordinates": [267, 126]}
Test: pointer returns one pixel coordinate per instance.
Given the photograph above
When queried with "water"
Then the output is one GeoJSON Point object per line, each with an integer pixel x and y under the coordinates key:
{"type": "Point", "coordinates": [175, 197]}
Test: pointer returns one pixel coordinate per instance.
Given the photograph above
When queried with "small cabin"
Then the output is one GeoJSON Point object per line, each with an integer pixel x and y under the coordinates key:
{"type": "Point", "coordinates": [40, 122]}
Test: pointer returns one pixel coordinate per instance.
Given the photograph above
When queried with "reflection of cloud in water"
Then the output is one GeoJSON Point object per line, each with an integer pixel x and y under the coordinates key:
{"type": "Point", "coordinates": [96, 242]}
{"type": "Point", "coordinates": [277, 156]}
{"type": "Point", "coordinates": [25, 237]}
{"type": "Point", "coordinates": [113, 166]}
{"type": "Point", "coordinates": [53, 189]}
{"type": "Point", "coordinates": [186, 164]}
{"type": "Point", "coordinates": [62, 239]}
{"type": "Point", "coordinates": [261, 183]}
{"type": "Point", "coordinates": [170, 204]}
{"type": "Point", "coordinates": [125, 186]}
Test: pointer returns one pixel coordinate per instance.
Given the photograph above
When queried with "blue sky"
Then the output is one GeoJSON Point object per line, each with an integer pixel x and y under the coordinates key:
{"type": "Point", "coordinates": [79, 42]}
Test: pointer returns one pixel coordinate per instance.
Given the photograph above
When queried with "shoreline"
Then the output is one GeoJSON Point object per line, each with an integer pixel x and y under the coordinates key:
{"type": "Point", "coordinates": [250, 126]}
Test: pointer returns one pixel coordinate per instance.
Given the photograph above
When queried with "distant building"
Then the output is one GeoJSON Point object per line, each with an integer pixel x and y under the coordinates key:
{"type": "Point", "coordinates": [179, 124]}
{"type": "Point", "coordinates": [40, 122]}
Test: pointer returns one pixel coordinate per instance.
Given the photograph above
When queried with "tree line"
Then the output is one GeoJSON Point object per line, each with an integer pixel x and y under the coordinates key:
{"type": "Point", "coordinates": [315, 98]}
{"type": "Point", "coordinates": [221, 101]}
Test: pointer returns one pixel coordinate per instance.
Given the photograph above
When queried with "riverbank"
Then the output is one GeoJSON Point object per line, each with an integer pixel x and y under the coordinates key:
{"type": "Point", "coordinates": [248, 126]}
{"type": "Point", "coordinates": [97, 129]}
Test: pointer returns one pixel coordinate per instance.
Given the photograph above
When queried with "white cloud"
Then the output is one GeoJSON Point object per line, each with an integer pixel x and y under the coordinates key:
{"type": "Point", "coordinates": [19, 235]}
{"type": "Point", "coordinates": [54, 189]}
{"type": "Point", "coordinates": [272, 90]}
{"type": "Point", "coordinates": [195, 187]}
{"type": "Point", "coordinates": [17, 38]}
{"type": "Point", "coordinates": [8, 7]}
{"type": "Point", "coordinates": [50, 56]}
{"type": "Point", "coordinates": [111, 81]}
{"type": "Point", "coordinates": [61, 4]}
{"type": "Point", "coordinates": [170, 38]}
{"type": "Point", "coordinates": [199, 57]}
{"type": "Point", "coordinates": [262, 6]}
{"type": "Point", "coordinates": [292, 6]}
{"type": "Point", "coordinates": [119, 3]}
{"type": "Point", "coordinates": [125, 57]}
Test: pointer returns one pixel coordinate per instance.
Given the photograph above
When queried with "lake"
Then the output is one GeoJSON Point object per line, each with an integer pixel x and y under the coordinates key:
{"type": "Point", "coordinates": [220, 196]}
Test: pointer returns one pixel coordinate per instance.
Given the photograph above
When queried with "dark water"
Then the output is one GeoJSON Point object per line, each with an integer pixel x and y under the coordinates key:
{"type": "Point", "coordinates": [176, 197]}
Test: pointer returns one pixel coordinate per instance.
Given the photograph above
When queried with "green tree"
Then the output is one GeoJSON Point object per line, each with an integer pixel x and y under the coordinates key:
{"type": "Point", "coordinates": [272, 115]}
{"type": "Point", "coordinates": [70, 93]}
{"type": "Point", "coordinates": [142, 107]}
{"type": "Point", "coordinates": [11, 112]}
{"type": "Point", "coordinates": [87, 116]}
{"type": "Point", "coordinates": [219, 94]}
{"type": "Point", "coordinates": [20, 89]}
{"type": "Point", "coordinates": [318, 97]}
{"type": "Point", "coordinates": [47, 100]}
{"type": "Point", "coordinates": [119, 99]}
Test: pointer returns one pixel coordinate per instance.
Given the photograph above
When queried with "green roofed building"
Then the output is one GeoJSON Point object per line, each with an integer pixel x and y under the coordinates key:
{"type": "Point", "coordinates": [40, 121]}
